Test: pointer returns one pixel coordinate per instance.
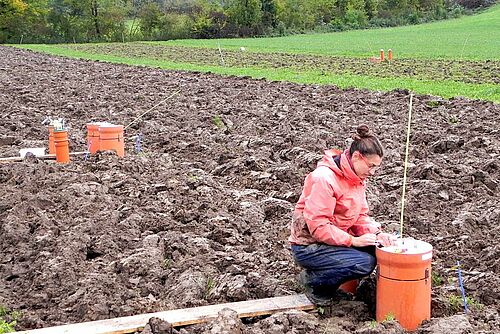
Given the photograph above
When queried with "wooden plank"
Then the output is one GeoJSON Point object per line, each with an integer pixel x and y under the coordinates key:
{"type": "Point", "coordinates": [181, 317]}
{"type": "Point", "coordinates": [43, 157]}
{"type": "Point", "coordinates": [11, 159]}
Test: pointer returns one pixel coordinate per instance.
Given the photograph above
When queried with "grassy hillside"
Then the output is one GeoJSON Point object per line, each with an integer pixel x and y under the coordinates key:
{"type": "Point", "coordinates": [469, 49]}
{"type": "Point", "coordinates": [469, 37]}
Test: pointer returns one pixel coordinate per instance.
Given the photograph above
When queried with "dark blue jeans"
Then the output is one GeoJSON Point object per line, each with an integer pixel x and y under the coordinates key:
{"type": "Point", "coordinates": [327, 267]}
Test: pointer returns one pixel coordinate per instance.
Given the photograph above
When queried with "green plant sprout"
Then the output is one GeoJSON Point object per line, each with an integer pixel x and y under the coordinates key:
{"type": "Point", "coordinates": [436, 279]}
{"type": "Point", "coordinates": [456, 303]}
{"type": "Point", "coordinates": [433, 104]}
{"type": "Point", "coordinates": [217, 120]}
{"type": "Point", "coordinates": [8, 320]}
{"type": "Point", "coordinates": [210, 285]}
{"type": "Point", "coordinates": [389, 317]}
{"type": "Point", "coordinates": [453, 119]}
{"type": "Point", "coordinates": [166, 263]}
{"type": "Point", "coordinates": [6, 327]}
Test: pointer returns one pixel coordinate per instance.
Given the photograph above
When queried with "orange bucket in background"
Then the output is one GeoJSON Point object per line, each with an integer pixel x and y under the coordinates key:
{"type": "Point", "coordinates": [404, 282]}
{"type": "Point", "coordinates": [61, 143]}
{"type": "Point", "coordinates": [93, 136]}
{"type": "Point", "coordinates": [52, 145]}
{"type": "Point", "coordinates": [111, 138]}
{"type": "Point", "coordinates": [349, 286]}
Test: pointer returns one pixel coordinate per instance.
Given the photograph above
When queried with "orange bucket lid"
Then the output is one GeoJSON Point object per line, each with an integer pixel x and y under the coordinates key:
{"type": "Point", "coordinates": [111, 128]}
{"type": "Point", "coordinates": [96, 125]}
{"type": "Point", "coordinates": [60, 133]}
{"type": "Point", "coordinates": [407, 260]}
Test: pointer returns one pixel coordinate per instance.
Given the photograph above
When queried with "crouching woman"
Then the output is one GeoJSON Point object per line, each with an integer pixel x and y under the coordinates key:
{"type": "Point", "coordinates": [332, 237]}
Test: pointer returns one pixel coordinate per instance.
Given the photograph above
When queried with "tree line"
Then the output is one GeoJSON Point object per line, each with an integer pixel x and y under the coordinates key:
{"type": "Point", "coordinates": [76, 21]}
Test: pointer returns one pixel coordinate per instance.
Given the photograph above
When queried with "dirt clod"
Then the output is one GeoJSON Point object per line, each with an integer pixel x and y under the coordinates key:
{"type": "Point", "coordinates": [158, 326]}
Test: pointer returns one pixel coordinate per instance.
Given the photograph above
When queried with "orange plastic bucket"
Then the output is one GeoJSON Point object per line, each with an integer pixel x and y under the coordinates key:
{"type": "Point", "coordinates": [61, 145]}
{"type": "Point", "coordinates": [93, 136]}
{"type": "Point", "coordinates": [404, 282]}
{"type": "Point", "coordinates": [52, 145]}
{"type": "Point", "coordinates": [349, 286]}
{"type": "Point", "coordinates": [111, 138]}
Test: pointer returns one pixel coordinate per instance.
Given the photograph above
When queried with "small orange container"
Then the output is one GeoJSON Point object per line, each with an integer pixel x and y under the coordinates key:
{"type": "Point", "coordinates": [404, 282]}
{"type": "Point", "coordinates": [111, 138]}
{"type": "Point", "coordinates": [349, 286]}
{"type": "Point", "coordinates": [61, 145]}
{"type": "Point", "coordinates": [52, 145]}
{"type": "Point", "coordinates": [382, 54]}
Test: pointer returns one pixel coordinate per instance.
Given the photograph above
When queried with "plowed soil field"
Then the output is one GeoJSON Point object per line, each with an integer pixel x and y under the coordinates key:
{"type": "Point", "coordinates": [197, 212]}
{"type": "Point", "coordinates": [468, 71]}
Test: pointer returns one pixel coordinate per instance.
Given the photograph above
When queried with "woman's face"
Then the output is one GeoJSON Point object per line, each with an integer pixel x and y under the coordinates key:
{"type": "Point", "coordinates": [365, 166]}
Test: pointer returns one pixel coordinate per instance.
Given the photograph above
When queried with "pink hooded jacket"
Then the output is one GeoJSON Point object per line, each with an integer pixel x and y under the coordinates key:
{"type": "Point", "coordinates": [333, 207]}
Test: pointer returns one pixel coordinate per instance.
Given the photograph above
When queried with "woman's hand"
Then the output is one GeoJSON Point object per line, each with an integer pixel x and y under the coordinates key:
{"type": "Point", "coordinates": [364, 240]}
{"type": "Point", "coordinates": [386, 239]}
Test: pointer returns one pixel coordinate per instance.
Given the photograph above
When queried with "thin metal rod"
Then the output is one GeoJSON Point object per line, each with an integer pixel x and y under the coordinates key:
{"type": "Point", "coordinates": [405, 168]}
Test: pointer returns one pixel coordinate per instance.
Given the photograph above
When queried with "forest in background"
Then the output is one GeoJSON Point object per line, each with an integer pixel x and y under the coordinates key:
{"type": "Point", "coordinates": [79, 21]}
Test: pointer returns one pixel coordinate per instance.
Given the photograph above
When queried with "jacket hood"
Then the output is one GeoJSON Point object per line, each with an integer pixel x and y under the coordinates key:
{"type": "Point", "coordinates": [345, 169]}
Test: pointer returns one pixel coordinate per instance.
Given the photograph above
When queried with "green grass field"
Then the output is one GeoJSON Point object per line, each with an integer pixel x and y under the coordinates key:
{"type": "Point", "coordinates": [468, 38]}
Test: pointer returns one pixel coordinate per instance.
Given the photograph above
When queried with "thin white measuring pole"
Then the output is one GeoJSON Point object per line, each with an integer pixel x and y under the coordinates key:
{"type": "Point", "coordinates": [405, 168]}
{"type": "Point", "coordinates": [220, 53]}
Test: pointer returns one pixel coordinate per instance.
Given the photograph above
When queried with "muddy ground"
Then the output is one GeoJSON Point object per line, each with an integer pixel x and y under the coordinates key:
{"type": "Point", "coordinates": [198, 213]}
